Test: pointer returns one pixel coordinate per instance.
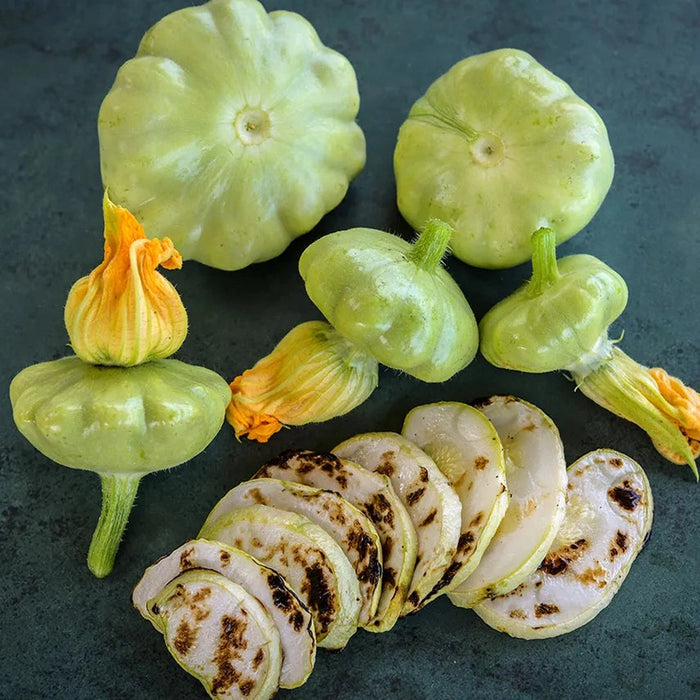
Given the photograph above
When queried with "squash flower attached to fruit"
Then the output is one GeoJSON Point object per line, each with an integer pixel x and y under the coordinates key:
{"type": "Point", "coordinates": [386, 301]}
{"type": "Point", "coordinates": [125, 313]}
{"type": "Point", "coordinates": [559, 320]}
{"type": "Point", "coordinates": [497, 147]}
{"type": "Point", "coordinates": [232, 131]}
{"type": "Point", "coordinates": [119, 407]}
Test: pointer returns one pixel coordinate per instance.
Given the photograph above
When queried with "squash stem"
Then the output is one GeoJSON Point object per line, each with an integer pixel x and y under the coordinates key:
{"type": "Point", "coordinates": [427, 252]}
{"type": "Point", "coordinates": [118, 494]}
{"type": "Point", "coordinates": [545, 270]}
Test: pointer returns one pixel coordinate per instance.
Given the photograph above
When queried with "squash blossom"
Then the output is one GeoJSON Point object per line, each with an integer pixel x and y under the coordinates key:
{"type": "Point", "coordinates": [386, 301]}
{"type": "Point", "coordinates": [559, 320]}
{"type": "Point", "coordinates": [125, 312]}
{"type": "Point", "coordinates": [118, 407]}
{"type": "Point", "coordinates": [313, 371]}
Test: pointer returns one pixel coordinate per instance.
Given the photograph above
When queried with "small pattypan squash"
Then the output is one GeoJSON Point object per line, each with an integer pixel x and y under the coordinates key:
{"type": "Point", "coordinates": [121, 407]}
{"type": "Point", "coordinates": [393, 299]}
{"type": "Point", "coordinates": [498, 147]}
{"type": "Point", "coordinates": [386, 301]}
{"type": "Point", "coordinates": [232, 131]}
{"type": "Point", "coordinates": [559, 320]}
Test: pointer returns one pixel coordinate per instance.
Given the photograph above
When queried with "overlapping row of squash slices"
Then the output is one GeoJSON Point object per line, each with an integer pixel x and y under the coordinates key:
{"type": "Point", "coordinates": [471, 501]}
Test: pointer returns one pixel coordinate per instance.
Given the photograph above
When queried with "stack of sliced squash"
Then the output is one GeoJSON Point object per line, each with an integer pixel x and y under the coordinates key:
{"type": "Point", "coordinates": [470, 501]}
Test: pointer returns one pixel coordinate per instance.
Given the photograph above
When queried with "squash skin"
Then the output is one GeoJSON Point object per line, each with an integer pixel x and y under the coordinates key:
{"type": "Point", "coordinates": [561, 325]}
{"type": "Point", "coordinates": [117, 420]}
{"type": "Point", "coordinates": [497, 147]}
{"type": "Point", "coordinates": [409, 318]}
{"type": "Point", "coordinates": [232, 131]}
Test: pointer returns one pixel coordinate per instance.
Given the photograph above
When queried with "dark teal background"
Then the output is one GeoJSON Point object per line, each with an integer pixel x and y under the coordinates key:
{"type": "Point", "coordinates": [64, 634]}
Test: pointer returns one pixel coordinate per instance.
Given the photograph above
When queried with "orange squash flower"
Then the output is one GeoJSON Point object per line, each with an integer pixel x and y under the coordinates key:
{"type": "Point", "coordinates": [683, 407]}
{"type": "Point", "coordinates": [312, 375]}
{"type": "Point", "coordinates": [125, 312]}
{"type": "Point", "coordinates": [665, 408]}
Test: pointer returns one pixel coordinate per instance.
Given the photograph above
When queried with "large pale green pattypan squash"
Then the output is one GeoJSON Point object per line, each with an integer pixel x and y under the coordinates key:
{"type": "Point", "coordinates": [498, 147]}
{"type": "Point", "coordinates": [232, 131]}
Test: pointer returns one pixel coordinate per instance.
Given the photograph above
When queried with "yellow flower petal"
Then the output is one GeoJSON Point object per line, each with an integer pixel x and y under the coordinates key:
{"type": "Point", "coordinates": [312, 375]}
{"type": "Point", "coordinates": [125, 312]}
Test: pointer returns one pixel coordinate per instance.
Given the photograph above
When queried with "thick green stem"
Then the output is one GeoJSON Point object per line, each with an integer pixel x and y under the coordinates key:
{"type": "Point", "coordinates": [624, 387]}
{"type": "Point", "coordinates": [545, 270]}
{"type": "Point", "coordinates": [118, 494]}
{"type": "Point", "coordinates": [427, 252]}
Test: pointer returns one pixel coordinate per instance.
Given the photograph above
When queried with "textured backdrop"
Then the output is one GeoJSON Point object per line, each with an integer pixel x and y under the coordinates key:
{"type": "Point", "coordinates": [67, 635]}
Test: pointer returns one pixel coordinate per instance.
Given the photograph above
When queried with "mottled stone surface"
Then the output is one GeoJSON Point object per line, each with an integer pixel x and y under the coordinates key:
{"type": "Point", "coordinates": [68, 636]}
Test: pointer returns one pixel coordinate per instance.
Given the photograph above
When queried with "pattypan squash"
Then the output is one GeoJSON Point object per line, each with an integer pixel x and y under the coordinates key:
{"type": "Point", "coordinates": [393, 299]}
{"type": "Point", "coordinates": [559, 321]}
{"type": "Point", "coordinates": [497, 147]}
{"type": "Point", "coordinates": [386, 301]}
{"type": "Point", "coordinates": [120, 406]}
{"type": "Point", "coordinates": [232, 131]}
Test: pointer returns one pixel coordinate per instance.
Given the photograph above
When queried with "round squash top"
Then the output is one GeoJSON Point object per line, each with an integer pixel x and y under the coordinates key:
{"type": "Point", "coordinates": [498, 147]}
{"type": "Point", "coordinates": [122, 420]}
{"type": "Point", "coordinates": [393, 299]}
{"type": "Point", "coordinates": [559, 319]}
{"type": "Point", "coordinates": [232, 131]}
